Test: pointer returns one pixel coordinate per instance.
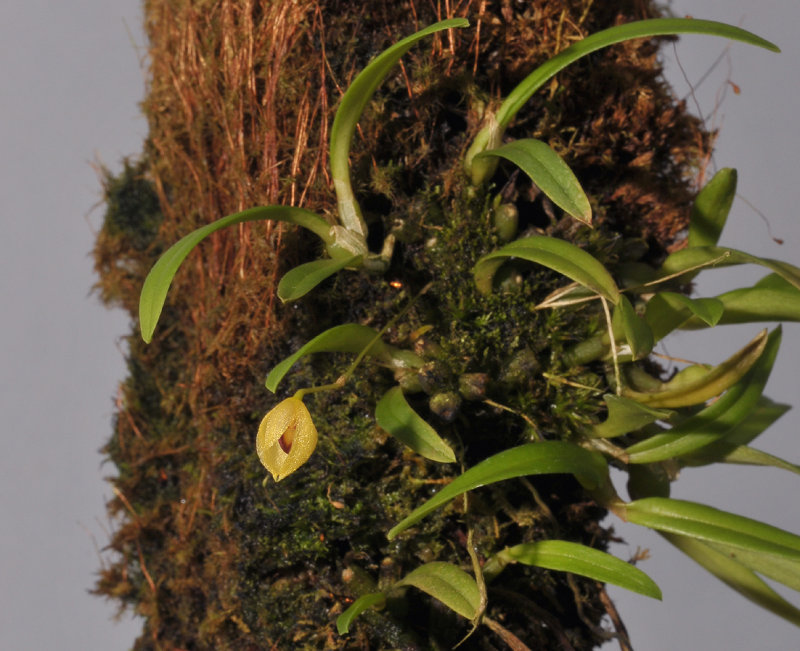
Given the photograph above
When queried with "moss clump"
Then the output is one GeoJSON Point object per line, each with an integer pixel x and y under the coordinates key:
{"type": "Point", "coordinates": [240, 99]}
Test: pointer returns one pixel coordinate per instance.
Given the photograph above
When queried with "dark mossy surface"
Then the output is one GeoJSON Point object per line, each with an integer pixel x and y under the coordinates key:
{"type": "Point", "coordinates": [240, 94]}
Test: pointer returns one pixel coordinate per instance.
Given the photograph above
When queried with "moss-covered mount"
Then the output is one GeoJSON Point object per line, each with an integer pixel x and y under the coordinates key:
{"type": "Point", "coordinates": [240, 98]}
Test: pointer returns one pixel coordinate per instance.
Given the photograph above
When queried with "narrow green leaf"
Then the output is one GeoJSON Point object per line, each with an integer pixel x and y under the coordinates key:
{"type": "Point", "coordinates": [711, 525]}
{"type": "Point", "coordinates": [548, 457]}
{"type": "Point", "coordinates": [720, 256]}
{"type": "Point", "coordinates": [549, 172]}
{"type": "Point", "coordinates": [765, 413]}
{"type": "Point", "coordinates": [637, 332]}
{"type": "Point", "coordinates": [559, 255]}
{"type": "Point", "coordinates": [776, 282]}
{"type": "Point", "coordinates": [349, 112]}
{"type": "Point", "coordinates": [449, 584]}
{"type": "Point", "coordinates": [346, 338]}
{"type": "Point", "coordinates": [711, 207]}
{"type": "Point", "coordinates": [668, 311]}
{"type": "Point", "coordinates": [755, 304]}
{"type": "Point", "coordinates": [579, 559]}
{"type": "Point", "coordinates": [747, 456]}
{"type": "Point", "coordinates": [626, 415]}
{"type": "Point", "coordinates": [715, 421]}
{"type": "Point", "coordinates": [364, 602]}
{"type": "Point", "coordinates": [639, 29]}
{"type": "Point", "coordinates": [156, 285]}
{"type": "Point", "coordinates": [685, 390]}
{"type": "Point", "coordinates": [492, 134]}
{"type": "Point", "coordinates": [397, 417]}
{"type": "Point", "coordinates": [299, 281]}
{"type": "Point", "coordinates": [779, 568]}
{"type": "Point", "coordinates": [736, 576]}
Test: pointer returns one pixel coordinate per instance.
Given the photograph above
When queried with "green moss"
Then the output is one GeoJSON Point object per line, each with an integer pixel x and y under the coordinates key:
{"type": "Point", "coordinates": [133, 211]}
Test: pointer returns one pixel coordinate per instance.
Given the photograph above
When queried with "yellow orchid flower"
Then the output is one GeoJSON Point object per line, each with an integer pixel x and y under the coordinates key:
{"type": "Point", "coordinates": [286, 438]}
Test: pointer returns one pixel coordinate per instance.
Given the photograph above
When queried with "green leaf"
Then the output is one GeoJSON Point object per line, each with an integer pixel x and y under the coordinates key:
{"type": "Point", "coordinates": [156, 285]}
{"type": "Point", "coordinates": [748, 456]}
{"type": "Point", "coordinates": [299, 281]}
{"type": "Point", "coordinates": [711, 525]}
{"type": "Point", "coordinates": [397, 417]}
{"type": "Point", "coordinates": [579, 559]}
{"type": "Point", "coordinates": [349, 112]}
{"type": "Point", "coordinates": [639, 29]}
{"type": "Point", "coordinates": [449, 584]}
{"type": "Point", "coordinates": [346, 338]}
{"type": "Point", "coordinates": [364, 602]}
{"type": "Point", "coordinates": [711, 207]}
{"type": "Point", "coordinates": [626, 415]}
{"type": "Point", "coordinates": [779, 568]}
{"type": "Point", "coordinates": [719, 256]}
{"type": "Point", "coordinates": [765, 413]}
{"type": "Point", "coordinates": [773, 298]}
{"type": "Point", "coordinates": [715, 421]}
{"type": "Point", "coordinates": [702, 383]}
{"type": "Point", "coordinates": [548, 457]}
{"type": "Point", "coordinates": [737, 576]}
{"type": "Point", "coordinates": [668, 311]}
{"type": "Point", "coordinates": [549, 172]}
{"type": "Point", "coordinates": [559, 255]}
{"type": "Point", "coordinates": [754, 304]}
{"type": "Point", "coordinates": [492, 134]}
{"type": "Point", "coordinates": [636, 331]}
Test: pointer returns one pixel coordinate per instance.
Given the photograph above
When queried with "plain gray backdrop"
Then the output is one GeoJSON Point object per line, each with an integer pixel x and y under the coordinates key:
{"type": "Point", "coordinates": [72, 76]}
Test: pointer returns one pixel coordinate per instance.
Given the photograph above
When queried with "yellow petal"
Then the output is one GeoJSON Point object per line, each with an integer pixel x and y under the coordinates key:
{"type": "Point", "coordinates": [286, 438]}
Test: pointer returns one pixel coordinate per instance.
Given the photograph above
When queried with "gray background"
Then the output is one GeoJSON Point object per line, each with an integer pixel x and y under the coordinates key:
{"type": "Point", "coordinates": [72, 75]}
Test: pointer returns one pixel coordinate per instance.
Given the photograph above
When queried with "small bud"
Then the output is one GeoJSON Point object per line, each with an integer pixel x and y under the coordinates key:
{"type": "Point", "coordinates": [520, 368]}
{"type": "Point", "coordinates": [433, 376]}
{"type": "Point", "coordinates": [445, 405]}
{"type": "Point", "coordinates": [506, 220]}
{"type": "Point", "coordinates": [286, 438]}
{"type": "Point", "coordinates": [473, 385]}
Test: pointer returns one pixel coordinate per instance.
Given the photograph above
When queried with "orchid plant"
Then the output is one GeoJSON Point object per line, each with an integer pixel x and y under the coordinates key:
{"type": "Point", "coordinates": [652, 427]}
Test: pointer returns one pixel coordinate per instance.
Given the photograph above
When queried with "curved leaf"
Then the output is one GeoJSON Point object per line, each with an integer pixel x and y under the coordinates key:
{"type": "Point", "coordinates": [349, 112]}
{"type": "Point", "coordinates": [668, 311]}
{"type": "Point", "coordinates": [346, 338]}
{"type": "Point", "coordinates": [397, 417]}
{"type": "Point", "coordinates": [449, 584]}
{"type": "Point", "coordinates": [737, 576]}
{"type": "Point", "coordinates": [711, 207]}
{"type": "Point", "coordinates": [719, 256]}
{"type": "Point", "coordinates": [299, 281]}
{"type": "Point", "coordinates": [702, 384]}
{"type": "Point", "coordinates": [755, 304]}
{"type": "Point", "coordinates": [549, 172]}
{"type": "Point", "coordinates": [639, 29]}
{"type": "Point", "coordinates": [559, 255]}
{"type": "Point", "coordinates": [492, 134]}
{"type": "Point", "coordinates": [156, 285]}
{"type": "Point", "coordinates": [716, 420]}
{"type": "Point", "coordinates": [579, 559]}
{"type": "Point", "coordinates": [548, 457]}
{"type": "Point", "coordinates": [711, 525]}
{"type": "Point", "coordinates": [364, 602]}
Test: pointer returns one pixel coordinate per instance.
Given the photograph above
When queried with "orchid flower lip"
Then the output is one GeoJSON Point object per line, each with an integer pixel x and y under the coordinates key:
{"type": "Point", "coordinates": [286, 438]}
